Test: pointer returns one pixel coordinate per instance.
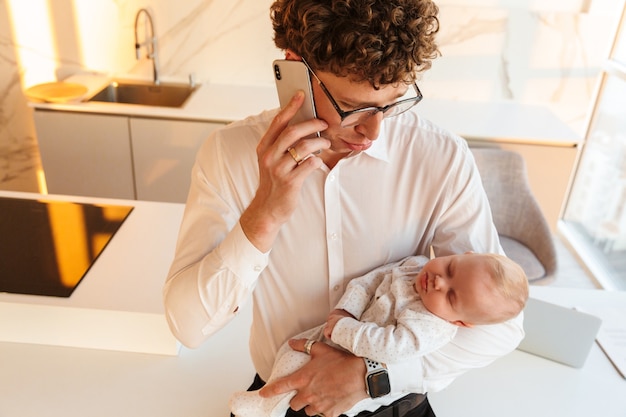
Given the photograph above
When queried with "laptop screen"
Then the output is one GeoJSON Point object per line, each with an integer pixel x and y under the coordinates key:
{"type": "Point", "coordinates": [558, 333]}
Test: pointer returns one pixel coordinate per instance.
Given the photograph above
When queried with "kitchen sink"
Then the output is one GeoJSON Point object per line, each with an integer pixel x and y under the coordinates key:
{"type": "Point", "coordinates": [145, 93]}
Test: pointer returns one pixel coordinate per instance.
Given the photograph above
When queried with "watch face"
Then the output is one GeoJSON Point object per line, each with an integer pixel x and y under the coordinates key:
{"type": "Point", "coordinates": [378, 384]}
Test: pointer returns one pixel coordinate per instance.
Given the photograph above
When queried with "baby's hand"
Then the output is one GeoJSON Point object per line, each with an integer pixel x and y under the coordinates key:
{"type": "Point", "coordinates": [332, 320]}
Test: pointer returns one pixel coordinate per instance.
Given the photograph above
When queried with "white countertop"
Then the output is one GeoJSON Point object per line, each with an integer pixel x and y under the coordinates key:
{"type": "Point", "coordinates": [118, 304]}
{"type": "Point", "coordinates": [501, 121]}
{"type": "Point", "coordinates": [522, 384]}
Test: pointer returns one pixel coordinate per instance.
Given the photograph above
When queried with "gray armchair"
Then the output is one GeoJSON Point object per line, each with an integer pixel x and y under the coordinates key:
{"type": "Point", "coordinates": [524, 232]}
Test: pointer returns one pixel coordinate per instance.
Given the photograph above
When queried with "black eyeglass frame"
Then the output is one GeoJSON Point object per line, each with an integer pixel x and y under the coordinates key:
{"type": "Point", "coordinates": [372, 110]}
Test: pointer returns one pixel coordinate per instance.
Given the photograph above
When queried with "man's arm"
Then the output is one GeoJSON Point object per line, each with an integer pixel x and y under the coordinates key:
{"type": "Point", "coordinates": [471, 348]}
{"type": "Point", "coordinates": [222, 248]}
{"type": "Point", "coordinates": [280, 177]}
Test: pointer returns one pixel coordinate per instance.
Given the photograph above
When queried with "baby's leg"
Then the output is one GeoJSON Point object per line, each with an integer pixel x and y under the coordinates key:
{"type": "Point", "coordinates": [251, 404]}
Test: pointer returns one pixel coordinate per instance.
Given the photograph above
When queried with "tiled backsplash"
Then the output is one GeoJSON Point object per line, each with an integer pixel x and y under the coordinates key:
{"type": "Point", "coordinates": [535, 52]}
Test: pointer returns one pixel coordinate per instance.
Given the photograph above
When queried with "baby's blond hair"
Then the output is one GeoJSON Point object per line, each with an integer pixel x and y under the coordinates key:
{"type": "Point", "coordinates": [511, 283]}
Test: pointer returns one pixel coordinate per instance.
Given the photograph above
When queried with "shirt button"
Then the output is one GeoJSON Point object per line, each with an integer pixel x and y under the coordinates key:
{"type": "Point", "coordinates": [336, 288]}
{"type": "Point", "coordinates": [257, 268]}
{"type": "Point", "coordinates": [334, 236]}
{"type": "Point", "coordinates": [331, 178]}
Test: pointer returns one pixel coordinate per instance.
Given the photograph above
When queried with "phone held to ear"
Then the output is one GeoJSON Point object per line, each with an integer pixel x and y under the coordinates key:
{"type": "Point", "coordinates": [291, 76]}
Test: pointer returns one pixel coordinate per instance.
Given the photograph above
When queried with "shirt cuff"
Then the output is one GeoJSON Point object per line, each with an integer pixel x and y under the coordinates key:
{"type": "Point", "coordinates": [406, 376]}
{"type": "Point", "coordinates": [242, 257]}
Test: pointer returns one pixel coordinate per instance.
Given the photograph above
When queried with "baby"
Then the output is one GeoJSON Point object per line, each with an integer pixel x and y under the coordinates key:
{"type": "Point", "coordinates": [401, 311]}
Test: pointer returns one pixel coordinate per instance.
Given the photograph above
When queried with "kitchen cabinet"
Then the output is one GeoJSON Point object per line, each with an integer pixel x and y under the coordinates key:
{"type": "Point", "coordinates": [85, 154]}
{"type": "Point", "coordinates": [163, 153]}
{"type": "Point", "coordinates": [549, 169]}
{"type": "Point", "coordinates": [119, 156]}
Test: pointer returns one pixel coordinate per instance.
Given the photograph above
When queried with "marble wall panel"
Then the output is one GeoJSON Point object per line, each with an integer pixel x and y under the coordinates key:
{"type": "Point", "coordinates": [19, 157]}
{"type": "Point", "coordinates": [221, 42]}
{"type": "Point", "coordinates": [546, 58]}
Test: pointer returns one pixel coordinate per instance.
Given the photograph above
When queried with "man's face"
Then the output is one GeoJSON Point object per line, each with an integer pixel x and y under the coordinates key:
{"type": "Point", "coordinates": [351, 95]}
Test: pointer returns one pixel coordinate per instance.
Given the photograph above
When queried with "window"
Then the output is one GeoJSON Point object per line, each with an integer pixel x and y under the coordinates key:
{"type": "Point", "coordinates": [594, 219]}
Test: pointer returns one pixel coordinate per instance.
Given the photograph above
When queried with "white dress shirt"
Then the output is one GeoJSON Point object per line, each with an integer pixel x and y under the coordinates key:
{"type": "Point", "coordinates": [415, 189]}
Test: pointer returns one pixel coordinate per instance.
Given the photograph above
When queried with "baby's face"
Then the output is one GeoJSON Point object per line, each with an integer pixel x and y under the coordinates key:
{"type": "Point", "coordinates": [457, 288]}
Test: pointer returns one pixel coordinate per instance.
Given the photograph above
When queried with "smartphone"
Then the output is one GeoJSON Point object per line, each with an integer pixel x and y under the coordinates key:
{"type": "Point", "coordinates": [291, 76]}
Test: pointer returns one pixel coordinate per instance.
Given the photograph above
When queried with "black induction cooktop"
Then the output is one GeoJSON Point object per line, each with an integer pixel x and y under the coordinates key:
{"type": "Point", "coordinates": [47, 246]}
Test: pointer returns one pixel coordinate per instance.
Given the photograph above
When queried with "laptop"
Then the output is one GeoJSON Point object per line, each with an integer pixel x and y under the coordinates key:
{"type": "Point", "coordinates": [558, 333]}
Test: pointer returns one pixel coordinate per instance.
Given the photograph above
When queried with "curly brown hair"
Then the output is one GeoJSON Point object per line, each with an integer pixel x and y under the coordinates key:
{"type": "Point", "coordinates": [381, 41]}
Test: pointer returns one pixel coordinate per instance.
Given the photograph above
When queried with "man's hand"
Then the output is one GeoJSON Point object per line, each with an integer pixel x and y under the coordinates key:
{"type": "Point", "coordinates": [330, 384]}
{"type": "Point", "coordinates": [280, 176]}
{"type": "Point", "coordinates": [333, 318]}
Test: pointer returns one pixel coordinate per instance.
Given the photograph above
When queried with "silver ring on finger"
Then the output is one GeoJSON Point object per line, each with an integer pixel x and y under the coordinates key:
{"type": "Point", "coordinates": [308, 345]}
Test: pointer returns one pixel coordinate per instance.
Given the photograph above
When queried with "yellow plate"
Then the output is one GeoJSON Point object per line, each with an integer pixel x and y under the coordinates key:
{"type": "Point", "coordinates": [56, 92]}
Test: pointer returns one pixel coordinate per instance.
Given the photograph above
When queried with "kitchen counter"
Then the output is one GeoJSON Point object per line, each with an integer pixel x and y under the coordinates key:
{"type": "Point", "coordinates": [118, 304]}
{"type": "Point", "coordinates": [495, 122]}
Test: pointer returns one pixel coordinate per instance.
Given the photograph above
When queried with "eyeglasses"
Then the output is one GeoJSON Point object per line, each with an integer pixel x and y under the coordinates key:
{"type": "Point", "coordinates": [358, 116]}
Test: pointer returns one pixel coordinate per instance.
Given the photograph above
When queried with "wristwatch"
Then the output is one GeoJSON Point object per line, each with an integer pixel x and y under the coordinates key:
{"type": "Point", "coordinates": [376, 379]}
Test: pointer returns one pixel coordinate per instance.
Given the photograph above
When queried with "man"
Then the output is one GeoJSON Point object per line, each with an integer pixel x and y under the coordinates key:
{"type": "Point", "coordinates": [380, 184]}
